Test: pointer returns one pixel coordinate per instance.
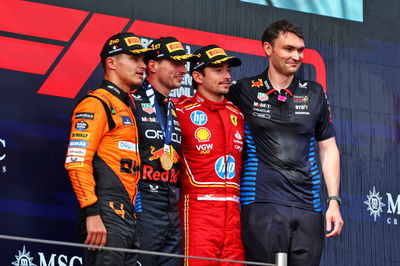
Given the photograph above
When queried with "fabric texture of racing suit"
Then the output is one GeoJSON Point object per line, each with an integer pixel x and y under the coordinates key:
{"type": "Point", "coordinates": [212, 143]}
{"type": "Point", "coordinates": [157, 204]}
{"type": "Point", "coordinates": [102, 163]}
{"type": "Point", "coordinates": [281, 166]}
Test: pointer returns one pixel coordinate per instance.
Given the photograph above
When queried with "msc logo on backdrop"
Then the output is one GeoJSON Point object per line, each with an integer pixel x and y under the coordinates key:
{"type": "Point", "coordinates": [24, 259]}
{"type": "Point", "coordinates": [376, 206]}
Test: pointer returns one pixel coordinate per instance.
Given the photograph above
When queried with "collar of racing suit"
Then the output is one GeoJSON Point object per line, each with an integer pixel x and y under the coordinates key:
{"type": "Point", "coordinates": [270, 89]}
{"type": "Point", "coordinates": [213, 106]}
{"type": "Point", "coordinates": [116, 91]}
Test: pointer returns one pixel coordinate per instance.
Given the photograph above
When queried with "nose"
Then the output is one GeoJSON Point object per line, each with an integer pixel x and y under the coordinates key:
{"type": "Point", "coordinates": [227, 75]}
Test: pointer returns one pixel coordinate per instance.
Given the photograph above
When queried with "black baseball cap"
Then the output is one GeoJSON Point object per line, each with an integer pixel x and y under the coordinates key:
{"type": "Point", "coordinates": [124, 43]}
{"type": "Point", "coordinates": [169, 48]}
{"type": "Point", "coordinates": [211, 55]}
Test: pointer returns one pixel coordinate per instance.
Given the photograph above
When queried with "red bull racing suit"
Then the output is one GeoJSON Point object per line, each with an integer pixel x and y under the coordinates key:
{"type": "Point", "coordinates": [157, 205]}
{"type": "Point", "coordinates": [102, 163]}
{"type": "Point", "coordinates": [212, 142]}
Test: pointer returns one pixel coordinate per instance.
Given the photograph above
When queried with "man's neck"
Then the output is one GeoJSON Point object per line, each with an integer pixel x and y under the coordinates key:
{"type": "Point", "coordinates": [158, 86]}
{"type": "Point", "coordinates": [279, 81]}
{"type": "Point", "coordinates": [210, 96]}
{"type": "Point", "coordinates": [124, 87]}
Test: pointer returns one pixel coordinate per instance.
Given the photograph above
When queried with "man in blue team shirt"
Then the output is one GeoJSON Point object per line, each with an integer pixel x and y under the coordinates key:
{"type": "Point", "coordinates": [280, 184]}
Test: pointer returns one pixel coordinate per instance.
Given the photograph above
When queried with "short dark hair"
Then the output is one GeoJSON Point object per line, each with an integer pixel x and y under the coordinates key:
{"type": "Point", "coordinates": [194, 83]}
{"type": "Point", "coordinates": [272, 32]}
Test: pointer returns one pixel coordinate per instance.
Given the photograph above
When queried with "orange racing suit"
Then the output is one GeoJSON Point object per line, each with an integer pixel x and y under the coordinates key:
{"type": "Point", "coordinates": [103, 166]}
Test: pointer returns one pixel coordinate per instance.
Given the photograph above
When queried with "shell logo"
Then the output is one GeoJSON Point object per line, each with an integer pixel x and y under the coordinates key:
{"type": "Point", "coordinates": [202, 134]}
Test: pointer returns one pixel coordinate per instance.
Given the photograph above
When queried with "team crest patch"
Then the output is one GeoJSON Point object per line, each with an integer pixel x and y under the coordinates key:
{"type": "Point", "coordinates": [262, 96]}
{"type": "Point", "coordinates": [258, 83]}
{"type": "Point", "coordinates": [234, 119]}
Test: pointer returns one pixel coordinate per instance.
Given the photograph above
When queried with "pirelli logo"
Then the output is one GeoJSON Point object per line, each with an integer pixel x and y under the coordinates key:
{"type": "Point", "coordinates": [132, 41]}
{"type": "Point", "coordinates": [74, 165]}
{"type": "Point", "coordinates": [174, 46]}
{"type": "Point", "coordinates": [215, 52]}
{"type": "Point", "coordinates": [80, 135]}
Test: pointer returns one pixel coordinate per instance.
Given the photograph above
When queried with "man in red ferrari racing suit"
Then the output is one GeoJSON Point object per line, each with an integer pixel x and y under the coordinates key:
{"type": "Point", "coordinates": [212, 141]}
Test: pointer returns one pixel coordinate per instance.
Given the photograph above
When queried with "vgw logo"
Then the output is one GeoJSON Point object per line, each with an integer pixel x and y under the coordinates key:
{"type": "Point", "coordinates": [24, 259]}
{"type": "Point", "coordinates": [376, 206]}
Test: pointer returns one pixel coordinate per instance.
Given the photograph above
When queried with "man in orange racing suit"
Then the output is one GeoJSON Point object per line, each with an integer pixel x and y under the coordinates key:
{"type": "Point", "coordinates": [212, 142]}
{"type": "Point", "coordinates": [103, 159]}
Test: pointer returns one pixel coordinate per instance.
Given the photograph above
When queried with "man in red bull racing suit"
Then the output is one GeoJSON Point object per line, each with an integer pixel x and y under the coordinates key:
{"type": "Point", "coordinates": [160, 139]}
{"type": "Point", "coordinates": [103, 158]}
{"type": "Point", "coordinates": [212, 142]}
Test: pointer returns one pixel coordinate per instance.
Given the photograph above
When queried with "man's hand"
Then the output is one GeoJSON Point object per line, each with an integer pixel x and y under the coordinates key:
{"type": "Point", "coordinates": [333, 216]}
{"type": "Point", "coordinates": [96, 231]}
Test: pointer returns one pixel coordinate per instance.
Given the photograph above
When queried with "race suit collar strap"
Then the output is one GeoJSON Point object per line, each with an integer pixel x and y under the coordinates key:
{"type": "Point", "coordinates": [116, 91]}
{"type": "Point", "coordinates": [210, 104]}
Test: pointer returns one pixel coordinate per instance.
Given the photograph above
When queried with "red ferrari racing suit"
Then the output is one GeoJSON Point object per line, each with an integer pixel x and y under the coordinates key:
{"type": "Point", "coordinates": [212, 142]}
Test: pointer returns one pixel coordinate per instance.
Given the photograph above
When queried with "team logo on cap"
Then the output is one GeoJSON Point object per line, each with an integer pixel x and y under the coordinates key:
{"type": "Point", "coordinates": [174, 46]}
{"type": "Point", "coordinates": [132, 41]}
{"type": "Point", "coordinates": [215, 52]}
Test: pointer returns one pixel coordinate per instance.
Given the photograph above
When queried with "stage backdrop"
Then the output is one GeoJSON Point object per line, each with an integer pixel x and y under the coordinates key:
{"type": "Point", "coordinates": [49, 59]}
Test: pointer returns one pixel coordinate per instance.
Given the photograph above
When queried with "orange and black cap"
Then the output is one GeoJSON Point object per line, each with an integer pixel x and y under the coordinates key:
{"type": "Point", "coordinates": [211, 55]}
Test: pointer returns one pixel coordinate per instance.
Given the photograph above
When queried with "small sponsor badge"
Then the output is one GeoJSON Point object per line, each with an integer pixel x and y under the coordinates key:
{"type": "Point", "coordinates": [262, 96]}
{"type": "Point", "coordinates": [81, 125]}
{"type": "Point", "coordinates": [89, 116]}
{"type": "Point", "coordinates": [126, 120]}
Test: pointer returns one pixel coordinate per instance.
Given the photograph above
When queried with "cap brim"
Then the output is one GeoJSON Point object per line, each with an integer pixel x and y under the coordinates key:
{"type": "Point", "coordinates": [182, 57]}
{"type": "Point", "coordinates": [140, 51]}
{"type": "Point", "coordinates": [232, 61]}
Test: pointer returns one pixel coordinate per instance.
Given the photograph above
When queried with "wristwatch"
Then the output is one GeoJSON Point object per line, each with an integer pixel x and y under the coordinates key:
{"type": "Point", "coordinates": [337, 198]}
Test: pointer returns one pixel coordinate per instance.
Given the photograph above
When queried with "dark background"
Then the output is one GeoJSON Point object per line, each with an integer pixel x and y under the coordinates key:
{"type": "Point", "coordinates": [362, 64]}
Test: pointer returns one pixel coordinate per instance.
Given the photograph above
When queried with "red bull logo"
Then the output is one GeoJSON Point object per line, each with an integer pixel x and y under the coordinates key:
{"type": "Point", "coordinates": [156, 154]}
{"type": "Point", "coordinates": [167, 176]}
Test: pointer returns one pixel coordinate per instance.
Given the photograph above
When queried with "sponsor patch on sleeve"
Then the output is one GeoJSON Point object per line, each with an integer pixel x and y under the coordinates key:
{"type": "Point", "coordinates": [80, 135]}
{"type": "Point", "coordinates": [76, 152]}
{"type": "Point", "coordinates": [74, 159]}
{"type": "Point", "coordinates": [89, 116]}
{"type": "Point", "coordinates": [74, 165]}
{"type": "Point", "coordinates": [81, 125]}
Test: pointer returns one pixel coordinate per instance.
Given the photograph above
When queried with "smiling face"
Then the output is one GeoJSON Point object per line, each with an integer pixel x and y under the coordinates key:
{"type": "Point", "coordinates": [126, 70]}
{"type": "Point", "coordinates": [285, 53]}
{"type": "Point", "coordinates": [170, 73]}
{"type": "Point", "coordinates": [214, 82]}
